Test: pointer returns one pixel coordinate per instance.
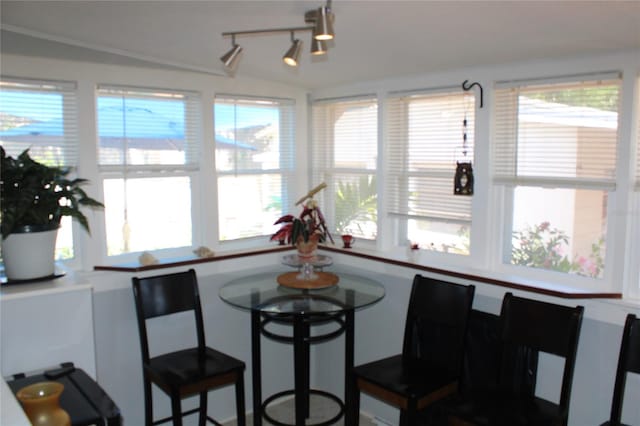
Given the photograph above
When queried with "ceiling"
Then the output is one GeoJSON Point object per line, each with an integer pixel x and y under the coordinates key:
{"type": "Point", "coordinates": [374, 39]}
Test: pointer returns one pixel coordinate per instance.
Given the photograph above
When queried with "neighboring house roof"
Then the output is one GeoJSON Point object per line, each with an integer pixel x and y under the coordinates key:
{"type": "Point", "coordinates": [147, 130]}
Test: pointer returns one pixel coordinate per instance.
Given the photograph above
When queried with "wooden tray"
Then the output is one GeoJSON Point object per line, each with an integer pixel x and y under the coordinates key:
{"type": "Point", "coordinates": [324, 280]}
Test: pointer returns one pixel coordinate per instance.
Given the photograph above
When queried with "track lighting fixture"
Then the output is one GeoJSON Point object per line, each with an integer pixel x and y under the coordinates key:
{"type": "Point", "coordinates": [293, 54]}
{"type": "Point", "coordinates": [231, 58]}
{"type": "Point", "coordinates": [324, 24]}
{"type": "Point", "coordinates": [320, 25]}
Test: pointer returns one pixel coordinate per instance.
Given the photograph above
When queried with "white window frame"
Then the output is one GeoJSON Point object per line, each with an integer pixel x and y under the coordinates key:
{"type": "Point", "coordinates": [398, 219]}
{"type": "Point", "coordinates": [70, 146]}
{"type": "Point", "coordinates": [502, 205]}
{"type": "Point", "coordinates": [190, 170]}
{"type": "Point", "coordinates": [323, 167]}
{"type": "Point", "coordinates": [287, 170]}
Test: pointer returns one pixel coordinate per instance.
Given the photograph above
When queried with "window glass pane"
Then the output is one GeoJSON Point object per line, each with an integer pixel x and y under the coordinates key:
{"type": "Point", "coordinates": [157, 214]}
{"type": "Point", "coordinates": [356, 206]}
{"type": "Point", "coordinates": [560, 229]}
{"type": "Point", "coordinates": [565, 131]}
{"type": "Point", "coordinates": [40, 116]}
{"type": "Point", "coordinates": [249, 205]}
{"type": "Point", "coordinates": [146, 128]}
{"type": "Point", "coordinates": [440, 236]}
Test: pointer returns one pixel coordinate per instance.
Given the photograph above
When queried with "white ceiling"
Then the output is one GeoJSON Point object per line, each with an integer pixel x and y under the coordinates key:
{"type": "Point", "coordinates": [374, 39]}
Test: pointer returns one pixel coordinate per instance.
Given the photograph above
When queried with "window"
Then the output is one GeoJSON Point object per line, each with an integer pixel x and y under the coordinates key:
{"type": "Point", "coordinates": [254, 164]}
{"type": "Point", "coordinates": [344, 156]}
{"type": "Point", "coordinates": [554, 159]}
{"type": "Point", "coordinates": [42, 116]}
{"type": "Point", "coordinates": [425, 139]}
{"type": "Point", "coordinates": [148, 155]}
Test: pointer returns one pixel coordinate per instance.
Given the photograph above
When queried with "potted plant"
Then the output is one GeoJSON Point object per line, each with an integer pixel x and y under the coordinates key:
{"type": "Point", "coordinates": [304, 231]}
{"type": "Point", "coordinates": [34, 197]}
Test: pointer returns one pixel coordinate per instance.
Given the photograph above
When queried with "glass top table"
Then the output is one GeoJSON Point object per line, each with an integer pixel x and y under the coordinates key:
{"type": "Point", "coordinates": [272, 303]}
{"type": "Point", "coordinates": [262, 292]}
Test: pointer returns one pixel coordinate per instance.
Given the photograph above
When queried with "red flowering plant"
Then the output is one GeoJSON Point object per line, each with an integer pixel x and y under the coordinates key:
{"type": "Point", "coordinates": [309, 226]}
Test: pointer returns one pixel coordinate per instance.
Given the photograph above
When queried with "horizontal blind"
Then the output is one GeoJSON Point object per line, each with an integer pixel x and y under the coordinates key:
{"type": "Point", "coordinates": [562, 134]}
{"type": "Point", "coordinates": [148, 128]}
{"type": "Point", "coordinates": [41, 116]}
{"type": "Point", "coordinates": [424, 141]}
{"type": "Point", "coordinates": [254, 135]}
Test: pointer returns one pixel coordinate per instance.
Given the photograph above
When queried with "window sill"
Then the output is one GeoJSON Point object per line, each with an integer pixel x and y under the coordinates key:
{"type": "Point", "coordinates": [186, 261]}
{"type": "Point", "coordinates": [545, 289]}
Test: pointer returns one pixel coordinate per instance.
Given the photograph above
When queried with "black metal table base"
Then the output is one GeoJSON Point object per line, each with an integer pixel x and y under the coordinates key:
{"type": "Point", "coordinates": [321, 393]}
{"type": "Point", "coordinates": [301, 340]}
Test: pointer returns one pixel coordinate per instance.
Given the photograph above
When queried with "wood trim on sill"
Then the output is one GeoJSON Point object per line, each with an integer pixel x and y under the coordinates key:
{"type": "Point", "coordinates": [565, 294]}
{"type": "Point", "coordinates": [577, 294]}
{"type": "Point", "coordinates": [167, 263]}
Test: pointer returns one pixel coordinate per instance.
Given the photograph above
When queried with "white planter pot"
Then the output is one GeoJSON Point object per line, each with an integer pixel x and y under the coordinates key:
{"type": "Point", "coordinates": [29, 255]}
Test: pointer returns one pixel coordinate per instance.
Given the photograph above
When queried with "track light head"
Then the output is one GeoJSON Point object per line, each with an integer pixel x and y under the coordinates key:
{"type": "Point", "coordinates": [293, 54]}
{"type": "Point", "coordinates": [318, 47]}
{"type": "Point", "coordinates": [232, 57]}
{"type": "Point", "coordinates": [324, 24]}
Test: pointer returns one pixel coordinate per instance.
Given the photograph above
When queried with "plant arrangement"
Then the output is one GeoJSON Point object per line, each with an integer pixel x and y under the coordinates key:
{"type": "Point", "coordinates": [309, 226]}
{"type": "Point", "coordinates": [33, 194]}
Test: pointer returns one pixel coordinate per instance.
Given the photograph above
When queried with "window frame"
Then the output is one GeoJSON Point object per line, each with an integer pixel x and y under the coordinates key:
{"type": "Point", "coordinates": [326, 171]}
{"type": "Point", "coordinates": [190, 170]}
{"type": "Point", "coordinates": [70, 146]}
{"type": "Point", "coordinates": [287, 160]}
{"type": "Point", "coordinates": [399, 221]}
{"type": "Point", "coordinates": [503, 202]}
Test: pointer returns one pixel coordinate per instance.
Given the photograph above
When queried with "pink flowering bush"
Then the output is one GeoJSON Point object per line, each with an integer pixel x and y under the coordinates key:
{"type": "Point", "coordinates": [542, 246]}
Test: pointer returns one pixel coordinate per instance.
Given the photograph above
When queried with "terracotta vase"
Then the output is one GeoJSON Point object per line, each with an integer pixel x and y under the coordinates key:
{"type": "Point", "coordinates": [41, 403]}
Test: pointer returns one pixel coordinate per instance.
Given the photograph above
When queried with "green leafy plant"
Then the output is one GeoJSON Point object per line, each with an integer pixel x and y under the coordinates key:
{"type": "Point", "coordinates": [356, 202]}
{"type": "Point", "coordinates": [34, 194]}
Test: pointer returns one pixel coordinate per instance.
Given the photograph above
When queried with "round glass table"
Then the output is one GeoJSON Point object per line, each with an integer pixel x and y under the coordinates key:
{"type": "Point", "coordinates": [271, 303]}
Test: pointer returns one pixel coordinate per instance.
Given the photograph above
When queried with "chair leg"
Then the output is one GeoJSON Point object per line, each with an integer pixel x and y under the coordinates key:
{"type": "Point", "coordinates": [409, 416]}
{"type": "Point", "coordinates": [240, 400]}
{"type": "Point", "coordinates": [202, 421]}
{"type": "Point", "coordinates": [148, 403]}
{"type": "Point", "coordinates": [403, 418]}
{"type": "Point", "coordinates": [353, 413]}
{"type": "Point", "coordinates": [176, 410]}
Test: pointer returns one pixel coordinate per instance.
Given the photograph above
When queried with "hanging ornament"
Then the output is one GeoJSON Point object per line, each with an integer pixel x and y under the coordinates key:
{"type": "Point", "coordinates": [463, 180]}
